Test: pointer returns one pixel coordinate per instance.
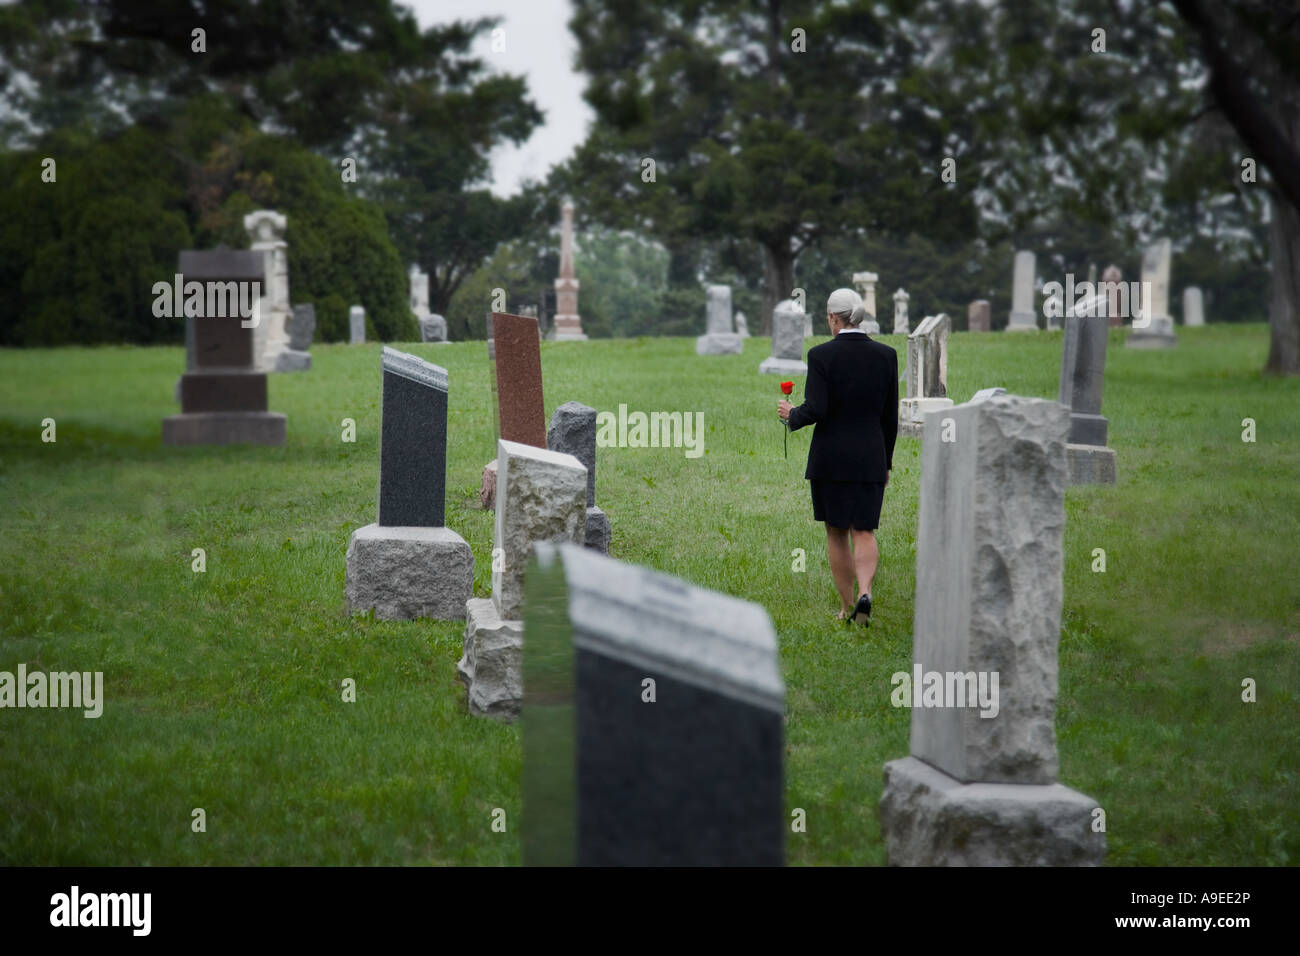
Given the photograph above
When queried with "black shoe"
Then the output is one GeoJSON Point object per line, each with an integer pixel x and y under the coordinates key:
{"type": "Point", "coordinates": [863, 608]}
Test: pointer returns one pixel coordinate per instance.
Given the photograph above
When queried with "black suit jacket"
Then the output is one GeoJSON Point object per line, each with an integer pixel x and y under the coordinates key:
{"type": "Point", "coordinates": [851, 395]}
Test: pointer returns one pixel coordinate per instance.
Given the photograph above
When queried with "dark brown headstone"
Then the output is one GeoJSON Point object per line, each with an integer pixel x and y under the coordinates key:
{"type": "Point", "coordinates": [519, 379]}
{"type": "Point", "coordinates": [223, 396]}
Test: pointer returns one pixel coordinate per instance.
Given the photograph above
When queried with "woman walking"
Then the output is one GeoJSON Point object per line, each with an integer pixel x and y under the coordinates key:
{"type": "Point", "coordinates": [851, 396]}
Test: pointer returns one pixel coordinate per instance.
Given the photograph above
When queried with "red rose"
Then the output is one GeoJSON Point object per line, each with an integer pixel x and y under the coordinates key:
{"type": "Point", "coordinates": [787, 388]}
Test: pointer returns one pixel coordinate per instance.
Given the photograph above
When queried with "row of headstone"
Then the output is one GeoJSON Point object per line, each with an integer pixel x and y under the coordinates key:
{"type": "Point", "coordinates": [980, 785]}
{"type": "Point", "coordinates": [925, 374]}
{"type": "Point", "coordinates": [408, 564]}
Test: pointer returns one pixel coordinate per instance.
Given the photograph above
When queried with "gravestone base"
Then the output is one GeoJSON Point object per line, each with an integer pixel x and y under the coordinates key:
{"type": "Point", "coordinates": [292, 360]}
{"type": "Point", "coordinates": [225, 428]}
{"type": "Point", "coordinates": [491, 666]}
{"type": "Point", "coordinates": [911, 414]}
{"type": "Point", "coordinates": [778, 366]}
{"type": "Point", "coordinates": [719, 343]}
{"type": "Point", "coordinates": [408, 572]}
{"type": "Point", "coordinates": [928, 818]}
{"type": "Point", "coordinates": [598, 531]}
{"type": "Point", "coordinates": [1022, 322]}
{"type": "Point", "coordinates": [1090, 464]}
{"type": "Point", "coordinates": [487, 490]}
{"type": "Point", "coordinates": [1151, 338]}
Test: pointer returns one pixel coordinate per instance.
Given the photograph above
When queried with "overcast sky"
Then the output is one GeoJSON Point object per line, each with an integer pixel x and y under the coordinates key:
{"type": "Point", "coordinates": [539, 46]}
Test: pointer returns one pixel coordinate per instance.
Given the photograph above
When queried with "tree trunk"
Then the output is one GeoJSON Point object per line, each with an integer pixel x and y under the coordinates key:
{"type": "Point", "coordinates": [778, 281]}
{"type": "Point", "coordinates": [1284, 309]}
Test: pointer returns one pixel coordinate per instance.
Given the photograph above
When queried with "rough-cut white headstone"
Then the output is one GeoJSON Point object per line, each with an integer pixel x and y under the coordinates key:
{"type": "Point", "coordinates": [980, 787]}
{"type": "Point", "coordinates": [787, 341]}
{"type": "Point", "coordinates": [356, 325]}
{"type": "Point", "coordinates": [742, 325]}
{"type": "Point", "coordinates": [541, 496]}
{"type": "Point", "coordinates": [1023, 317]}
{"type": "Point", "coordinates": [1193, 307]}
{"type": "Point", "coordinates": [900, 312]}
{"type": "Point", "coordinates": [989, 560]}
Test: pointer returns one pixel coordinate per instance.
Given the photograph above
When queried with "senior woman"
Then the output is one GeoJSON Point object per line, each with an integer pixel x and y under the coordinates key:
{"type": "Point", "coordinates": [851, 397]}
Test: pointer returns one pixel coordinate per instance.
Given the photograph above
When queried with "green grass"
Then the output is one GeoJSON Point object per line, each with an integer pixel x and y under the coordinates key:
{"type": "Point", "coordinates": [223, 688]}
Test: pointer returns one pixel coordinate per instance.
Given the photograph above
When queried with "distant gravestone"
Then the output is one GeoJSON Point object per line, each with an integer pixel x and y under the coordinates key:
{"type": "Point", "coordinates": [300, 329]}
{"type": "Point", "coordinates": [652, 725]}
{"type": "Point", "coordinates": [719, 339]}
{"type": "Point", "coordinates": [1023, 317]}
{"type": "Point", "coordinates": [573, 432]}
{"type": "Point", "coordinates": [742, 325]}
{"type": "Point", "coordinates": [901, 326]}
{"type": "Point", "coordinates": [979, 788]}
{"type": "Point", "coordinates": [408, 565]}
{"type": "Point", "coordinates": [1083, 372]}
{"type": "Point", "coordinates": [356, 325]}
{"type": "Point", "coordinates": [1154, 328]}
{"type": "Point", "coordinates": [223, 395]}
{"type": "Point", "coordinates": [433, 328]}
{"type": "Point", "coordinates": [865, 283]}
{"type": "Point", "coordinates": [1111, 291]}
{"type": "Point", "coordinates": [787, 342]}
{"type": "Point", "coordinates": [926, 375]}
{"type": "Point", "coordinates": [541, 496]}
{"type": "Point", "coordinates": [978, 316]}
{"type": "Point", "coordinates": [265, 228]}
{"type": "Point", "coordinates": [1193, 307]}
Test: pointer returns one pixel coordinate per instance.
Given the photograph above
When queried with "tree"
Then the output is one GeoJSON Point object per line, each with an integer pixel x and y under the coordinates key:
{"type": "Point", "coordinates": [1251, 49]}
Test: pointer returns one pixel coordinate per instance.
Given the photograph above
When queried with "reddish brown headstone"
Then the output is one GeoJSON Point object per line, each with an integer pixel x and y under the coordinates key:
{"type": "Point", "coordinates": [977, 316]}
{"type": "Point", "coordinates": [519, 379]}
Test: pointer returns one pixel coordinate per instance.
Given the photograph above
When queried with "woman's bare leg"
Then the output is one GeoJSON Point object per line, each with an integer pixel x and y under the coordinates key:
{"type": "Point", "coordinates": [841, 559]}
{"type": "Point", "coordinates": [866, 555]}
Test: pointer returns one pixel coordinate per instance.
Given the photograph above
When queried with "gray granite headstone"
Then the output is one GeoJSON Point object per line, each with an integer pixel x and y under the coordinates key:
{"type": "Point", "coordinates": [433, 328]}
{"type": "Point", "coordinates": [613, 776]}
{"type": "Point", "coordinates": [1023, 317]}
{"type": "Point", "coordinates": [573, 432]}
{"type": "Point", "coordinates": [1083, 372]}
{"type": "Point", "coordinates": [302, 326]}
{"type": "Point", "coordinates": [356, 325]}
{"type": "Point", "coordinates": [413, 442]}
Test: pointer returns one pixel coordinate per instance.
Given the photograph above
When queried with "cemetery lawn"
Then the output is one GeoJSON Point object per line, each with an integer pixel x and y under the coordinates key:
{"type": "Point", "coordinates": [223, 691]}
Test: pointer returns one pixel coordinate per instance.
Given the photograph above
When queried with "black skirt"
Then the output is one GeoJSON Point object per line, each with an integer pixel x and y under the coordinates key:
{"type": "Point", "coordinates": [848, 504]}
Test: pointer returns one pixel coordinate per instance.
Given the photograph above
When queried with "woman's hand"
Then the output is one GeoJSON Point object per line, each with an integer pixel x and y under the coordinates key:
{"type": "Point", "coordinates": [783, 410]}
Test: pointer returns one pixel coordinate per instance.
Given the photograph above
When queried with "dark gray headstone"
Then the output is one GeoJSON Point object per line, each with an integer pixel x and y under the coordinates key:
{"type": "Point", "coordinates": [1083, 372]}
{"type": "Point", "coordinates": [302, 326]}
{"type": "Point", "coordinates": [573, 431]}
{"type": "Point", "coordinates": [693, 778]}
{"type": "Point", "coordinates": [413, 442]}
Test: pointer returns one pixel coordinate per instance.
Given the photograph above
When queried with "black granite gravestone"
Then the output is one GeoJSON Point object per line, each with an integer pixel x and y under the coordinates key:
{"type": "Point", "coordinates": [413, 442]}
{"type": "Point", "coordinates": [652, 719]}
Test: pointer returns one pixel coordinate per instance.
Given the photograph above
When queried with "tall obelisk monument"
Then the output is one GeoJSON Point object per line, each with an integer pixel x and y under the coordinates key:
{"type": "Point", "coordinates": [568, 327]}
